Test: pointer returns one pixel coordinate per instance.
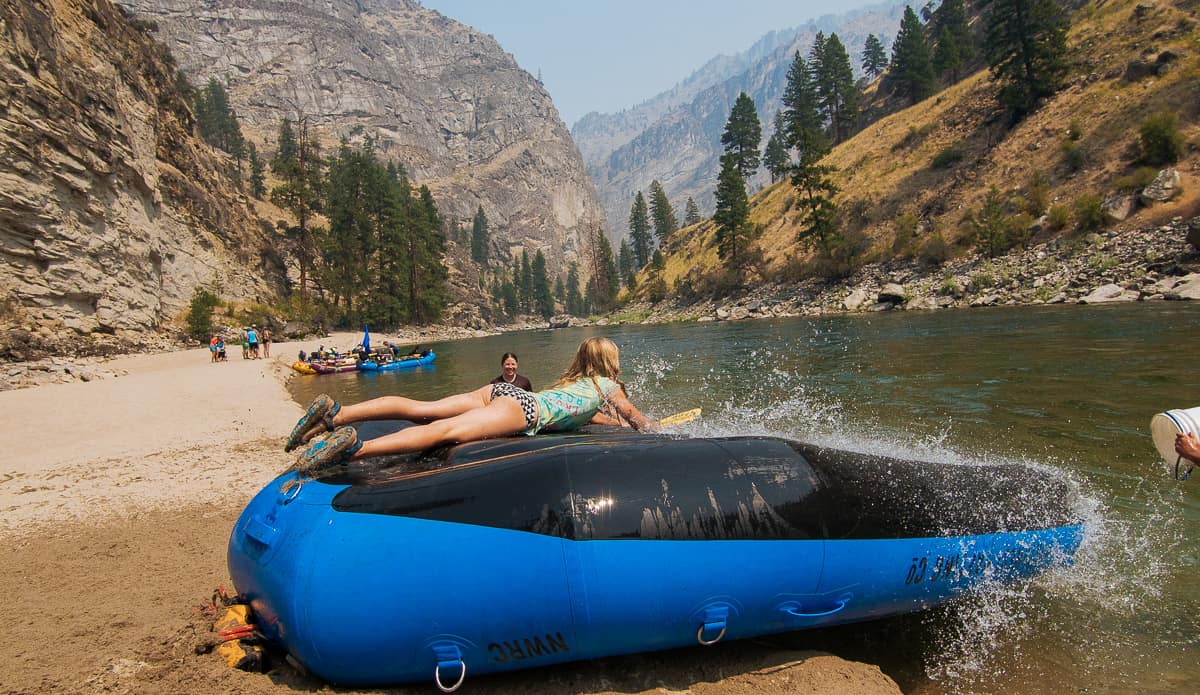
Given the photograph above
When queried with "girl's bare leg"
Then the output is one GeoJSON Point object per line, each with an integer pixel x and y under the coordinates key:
{"type": "Point", "coordinates": [401, 408]}
{"type": "Point", "coordinates": [501, 417]}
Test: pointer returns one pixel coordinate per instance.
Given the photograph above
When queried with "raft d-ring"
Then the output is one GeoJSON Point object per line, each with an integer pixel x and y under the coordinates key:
{"type": "Point", "coordinates": [293, 491]}
{"type": "Point", "coordinates": [462, 675]}
{"type": "Point", "coordinates": [709, 643]}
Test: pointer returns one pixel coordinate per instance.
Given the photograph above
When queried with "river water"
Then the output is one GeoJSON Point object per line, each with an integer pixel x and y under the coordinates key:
{"type": "Point", "coordinates": [1067, 388]}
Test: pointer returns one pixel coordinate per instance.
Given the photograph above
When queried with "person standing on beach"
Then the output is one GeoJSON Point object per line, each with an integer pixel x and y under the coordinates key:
{"type": "Point", "coordinates": [496, 410]}
{"type": "Point", "coordinates": [265, 339]}
{"type": "Point", "coordinates": [212, 347]}
{"type": "Point", "coordinates": [252, 340]}
{"type": "Point", "coordinates": [508, 373]}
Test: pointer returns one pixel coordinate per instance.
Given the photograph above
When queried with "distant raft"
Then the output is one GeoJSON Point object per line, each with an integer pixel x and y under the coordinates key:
{"type": "Point", "coordinates": [522, 552]}
{"type": "Point", "coordinates": [376, 364]}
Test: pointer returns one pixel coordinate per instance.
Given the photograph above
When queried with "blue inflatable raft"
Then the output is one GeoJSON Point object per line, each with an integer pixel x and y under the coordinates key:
{"type": "Point", "coordinates": [522, 552]}
{"type": "Point", "coordinates": [371, 365]}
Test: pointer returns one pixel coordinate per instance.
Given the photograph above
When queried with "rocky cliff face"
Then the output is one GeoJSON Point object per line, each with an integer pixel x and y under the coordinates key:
{"type": "Point", "coordinates": [110, 212]}
{"type": "Point", "coordinates": [676, 137]}
{"type": "Point", "coordinates": [437, 96]}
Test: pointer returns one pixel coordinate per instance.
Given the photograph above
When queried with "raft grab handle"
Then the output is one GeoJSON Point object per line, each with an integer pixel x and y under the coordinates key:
{"type": "Point", "coordinates": [448, 656]}
{"type": "Point", "coordinates": [795, 612]}
{"type": "Point", "coordinates": [715, 618]}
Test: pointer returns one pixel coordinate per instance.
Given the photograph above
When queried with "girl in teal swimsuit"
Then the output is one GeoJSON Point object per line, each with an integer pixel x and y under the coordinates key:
{"type": "Point", "coordinates": [496, 410]}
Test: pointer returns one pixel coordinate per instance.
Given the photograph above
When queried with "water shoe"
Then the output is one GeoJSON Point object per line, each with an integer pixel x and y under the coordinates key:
{"type": "Point", "coordinates": [331, 449]}
{"type": "Point", "coordinates": [317, 419]}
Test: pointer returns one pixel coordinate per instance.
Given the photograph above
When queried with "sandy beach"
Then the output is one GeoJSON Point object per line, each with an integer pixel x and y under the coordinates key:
{"type": "Point", "coordinates": [117, 499]}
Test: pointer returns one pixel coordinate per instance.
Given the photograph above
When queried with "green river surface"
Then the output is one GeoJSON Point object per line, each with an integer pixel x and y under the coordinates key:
{"type": "Point", "coordinates": [1065, 388]}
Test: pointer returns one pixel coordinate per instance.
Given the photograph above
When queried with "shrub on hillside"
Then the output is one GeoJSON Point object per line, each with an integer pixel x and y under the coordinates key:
{"type": "Point", "coordinates": [1089, 213]}
{"type": "Point", "coordinates": [1139, 179]}
{"type": "Point", "coordinates": [1073, 156]}
{"type": "Point", "coordinates": [935, 251]}
{"type": "Point", "coordinates": [1161, 142]}
{"type": "Point", "coordinates": [199, 316]}
{"type": "Point", "coordinates": [906, 234]}
{"type": "Point", "coordinates": [1058, 217]}
{"type": "Point", "coordinates": [948, 157]}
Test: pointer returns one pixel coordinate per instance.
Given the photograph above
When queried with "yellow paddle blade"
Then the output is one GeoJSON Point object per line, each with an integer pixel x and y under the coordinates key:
{"type": "Point", "coordinates": [680, 418]}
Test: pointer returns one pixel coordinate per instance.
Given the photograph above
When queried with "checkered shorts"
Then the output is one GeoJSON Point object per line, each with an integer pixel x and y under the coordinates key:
{"type": "Point", "coordinates": [520, 395]}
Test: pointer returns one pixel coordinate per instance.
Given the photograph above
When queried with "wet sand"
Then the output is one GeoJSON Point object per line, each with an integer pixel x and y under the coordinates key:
{"type": "Point", "coordinates": [117, 498]}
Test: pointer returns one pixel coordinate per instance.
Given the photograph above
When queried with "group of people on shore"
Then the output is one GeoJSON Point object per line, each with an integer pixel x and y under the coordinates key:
{"type": "Point", "coordinates": [255, 344]}
{"type": "Point", "coordinates": [589, 391]}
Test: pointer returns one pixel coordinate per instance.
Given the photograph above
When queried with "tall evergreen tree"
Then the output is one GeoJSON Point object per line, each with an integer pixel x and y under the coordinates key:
{"type": "Point", "coordinates": [1026, 48]}
{"type": "Point", "coordinates": [661, 212]}
{"type": "Point", "coordinates": [911, 71]}
{"type": "Point", "coordinates": [836, 92]}
{"type": "Point", "coordinates": [604, 284]}
{"type": "Point", "coordinates": [733, 212]}
{"type": "Point", "coordinates": [691, 213]}
{"type": "Point", "coordinates": [742, 136]}
{"type": "Point", "coordinates": [527, 297]}
{"type": "Point", "coordinates": [574, 301]}
{"type": "Point", "coordinates": [953, 46]}
{"type": "Point", "coordinates": [801, 115]}
{"type": "Point", "coordinates": [874, 57]}
{"type": "Point", "coordinates": [626, 265]}
{"type": "Point", "coordinates": [297, 165]}
{"type": "Point", "coordinates": [639, 230]}
{"type": "Point", "coordinates": [217, 120]}
{"type": "Point", "coordinates": [258, 179]}
{"type": "Point", "coordinates": [350, 243]}
{"type": "Point", "coordinates": [428, 248]}
{"type": "Point", "coordinates": [775, 156]}
{"type": "Point", "coordinates": [479, 238]}
{"type": "Point", "coordinates": [542, 300]}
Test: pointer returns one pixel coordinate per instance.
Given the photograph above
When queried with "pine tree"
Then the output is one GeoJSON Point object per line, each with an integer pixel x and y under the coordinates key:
{"type": "Point", "coordinates": [801, 115]}
{"type": "Point", "coordinates": [836, 91]}
{"type": "Point", "coordinates": [350, 242]}
{"type": "Point", "coordinates": [661, 212]}
{"type": "Point", "coordinates": [574, 302]}
{"type": "Point", "coordinates": [217, 121]}
{"type": "Point", "coordinates": [733, 212]}
{"type": "Point", "coordinates": [1026, 48]}
{"type": "Point", "coordinates": [775, 156]}
{"type": "Point", "coordinates": [604, 283]}
{"type": "Point", "coordinates": [954, 46]}
{"type": "Point", "coordinates": [691, 215]}
{"type": "Point", "coordinates": [526, 291]}
{"type": "Point", "coordinates": [297, 165]}
{"type": "Point", "coordinates": [911, 71]}
{"type": "Point", "coordinates": [639, 230]}
{"type": "Point", "coordinates": [479, 238]}
{"type": "Point", "coordinates": [543, 302]}
{"type": "Point", "coordinates": [258, 179]}
{"type": "Point", "coordinates": [560, 292]}
{"type": "Point", "coordinates": [428, 248]}
{"type": "Point", "coordinates": [816, 188]}
{"type": "Point", "coordinates": [742, 137]}
{"type": "Point", "coordinates": [874, 56]}
{"type": "Point", "coordinates": [625, 264]}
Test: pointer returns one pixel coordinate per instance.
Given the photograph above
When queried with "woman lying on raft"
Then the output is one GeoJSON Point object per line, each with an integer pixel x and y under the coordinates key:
{"type": "Point", "coordinates": [496, 410]}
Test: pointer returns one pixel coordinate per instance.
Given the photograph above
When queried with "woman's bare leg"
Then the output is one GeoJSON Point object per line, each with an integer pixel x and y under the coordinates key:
{"type": "Point", "coordinates": [501, 417]}
{"type": "Point", "coordinates": [401, 408]}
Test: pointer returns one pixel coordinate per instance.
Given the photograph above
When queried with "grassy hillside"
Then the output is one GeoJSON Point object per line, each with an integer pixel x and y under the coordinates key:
{"type": "Point", "coordinates": [920, 173]}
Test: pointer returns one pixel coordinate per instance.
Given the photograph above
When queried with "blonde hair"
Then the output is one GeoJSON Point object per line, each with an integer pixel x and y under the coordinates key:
{"type": "Point", "coordinates": [595, 357]}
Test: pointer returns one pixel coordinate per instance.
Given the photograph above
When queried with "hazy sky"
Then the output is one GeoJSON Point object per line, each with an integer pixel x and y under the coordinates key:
{"type": "Point", "coordinates": [608, 55]}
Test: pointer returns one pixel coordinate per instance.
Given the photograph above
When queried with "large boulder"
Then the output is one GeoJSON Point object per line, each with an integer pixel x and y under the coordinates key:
{"type": "Point", "coordinates": [1164, 187]}
{"type": "Point", "coordinates": [1109, 293]}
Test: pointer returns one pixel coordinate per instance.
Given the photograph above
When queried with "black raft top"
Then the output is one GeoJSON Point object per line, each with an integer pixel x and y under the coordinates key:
{"type": "Point", "coordinates": [603, 483]}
